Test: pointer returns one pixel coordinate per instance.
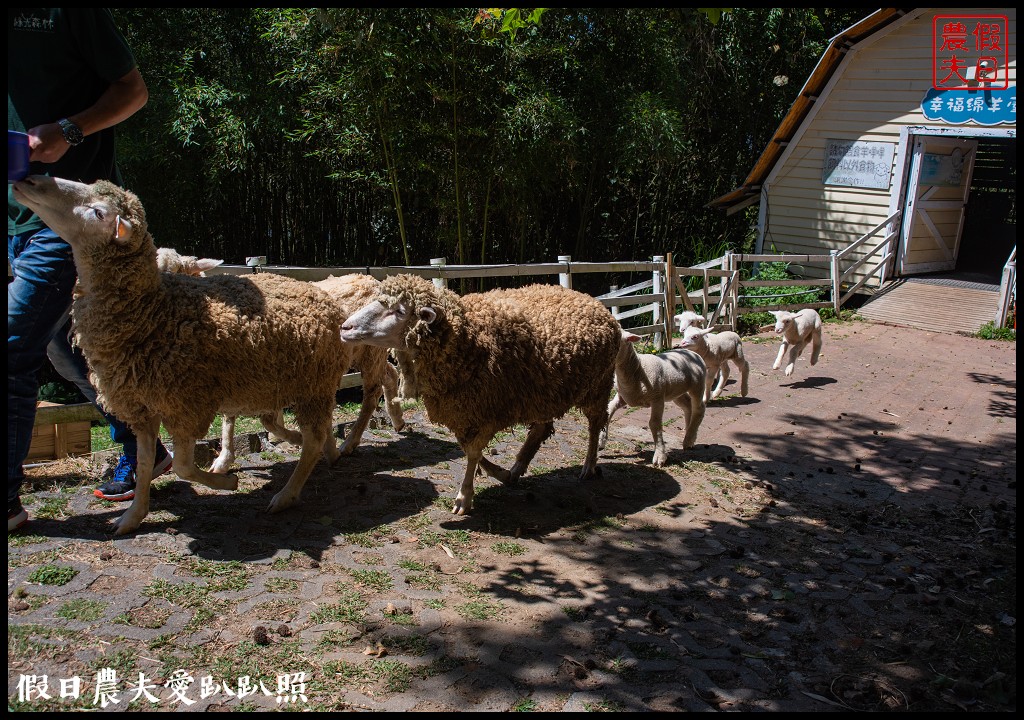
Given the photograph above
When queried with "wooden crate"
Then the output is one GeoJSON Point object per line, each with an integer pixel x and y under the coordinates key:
{"type": "Point", "coordinates": [52, 442]}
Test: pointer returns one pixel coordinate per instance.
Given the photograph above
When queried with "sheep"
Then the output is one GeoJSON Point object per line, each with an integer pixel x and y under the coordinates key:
{"type": "Point", "coordinates": [378, 375]}
{"type": "Point", "coordinates": [176, 349]}
{"type": "Point", "coordinates": [646, 380]}
{"type": "Point", "coordinates": [487, 361]}
{"type": "Point", "coordinates": [688, 318]}
{"type": "Point", "coordinates": [797, 329]}
{"type": "Point", "coordinates": [717, 350]}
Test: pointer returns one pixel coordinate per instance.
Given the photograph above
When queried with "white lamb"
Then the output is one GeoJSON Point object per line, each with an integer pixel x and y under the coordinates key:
{"type": "Point", "coordinates": [718, 350]}
{"type": "Point", "coordinates": [688, 318]}
{"type": "Point", "coordinates": [175, 349]}
{"type": "Point", "coordinates": [649, 380]}
{"type": "Point", "coordinates": [487, 361]}
{"type": "Point", "coordinates": [797, 330]}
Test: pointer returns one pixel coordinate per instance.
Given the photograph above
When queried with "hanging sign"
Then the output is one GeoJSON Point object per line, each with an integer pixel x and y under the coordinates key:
{"type": "Point", "coordinates": [858, 163]}
{"type": "Point", "coordinates": [981, 106]}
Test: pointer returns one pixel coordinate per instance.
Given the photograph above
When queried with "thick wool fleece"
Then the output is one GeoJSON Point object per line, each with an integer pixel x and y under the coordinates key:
{"type": "Point", "coordinates": [504, 357]}
{"type": "Point", "coordinates": [181, 348]}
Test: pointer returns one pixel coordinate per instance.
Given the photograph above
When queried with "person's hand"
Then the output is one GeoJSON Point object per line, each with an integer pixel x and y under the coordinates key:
{"type": "Point", "coordinates": [46, 143]}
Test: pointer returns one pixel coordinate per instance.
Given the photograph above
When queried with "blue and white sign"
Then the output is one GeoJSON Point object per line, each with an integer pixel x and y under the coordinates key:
{"type": "Point", "coordinates": [981, 106]}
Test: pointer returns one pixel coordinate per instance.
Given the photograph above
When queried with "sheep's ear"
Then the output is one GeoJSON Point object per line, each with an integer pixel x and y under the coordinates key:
{"type": "Point", "coordinates": [428, 314]}
{"type": "Point", "coordinates": [122, 229]}
{"type": "Point", "coordinates": [204, 264]}
{"type": "Point", "coordinates": [630, 337]}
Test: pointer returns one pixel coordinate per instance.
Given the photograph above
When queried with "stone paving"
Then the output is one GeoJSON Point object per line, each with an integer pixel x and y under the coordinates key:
{"type": "Point", "coordinates": [842, 539]}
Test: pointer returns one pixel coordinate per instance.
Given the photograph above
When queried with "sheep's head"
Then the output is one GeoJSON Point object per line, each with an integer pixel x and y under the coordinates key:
{"type": "Point", "coordinates": [688, 318]}
{"type": "Point", "coordinates": [90, 217]}
{"type": "Point", "coordinates": [693, 338]}
{"type": "Point", "coordinates": [168, 260]}
{"type": "Point", "coordinates": [408, 309]}
{"type": "Point", "coordinates": [783, 319]}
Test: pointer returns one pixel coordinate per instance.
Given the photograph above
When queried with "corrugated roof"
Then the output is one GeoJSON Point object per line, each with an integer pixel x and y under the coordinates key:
{"type": "Point", "coordinates": [809, 94]}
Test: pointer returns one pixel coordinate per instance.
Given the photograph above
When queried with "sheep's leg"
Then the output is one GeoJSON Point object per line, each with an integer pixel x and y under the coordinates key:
{"type": "Point", "coordinates": [709, 383]}
{"type": "Point", "coordinates": [133, 517]}
{"type": "Point", "coordinates": [782, 353]}
{"type": "Point", "coordinates": [184, 466]}
{"type": "Point", "coordinates": [693, 406]}
{"type": "Point", "coordinates": [392, 401]}
{"type": "Point", "coordinates": [474, 457]}
{"type": "Point", "coordinates": [539, 432]}
{"type": "Point", "coordinates": [595, 421]}
{"type": "Point", "coordinates": [274, 424]}
{"type": "Point", "coordinates": [315, 438]}
{"type": "Point", "coordinates": [723, 376]}
{"type": "Point", "coordinates": [371, 394]}
{"type": "Point", "coordinates": [744, 367]}
{"type": "Point", "coordinates": [494, 470]}
{"type": "Point", "coordinates": [657, 432]}
{"type": "Point", "coordinates": [794, 353]}
{"type": "Point", "coordinates": [227, 446]}
{"type": "Point", "coordinates": [616, 404]}
{"type": "Point", "coordinates": [816, 346]}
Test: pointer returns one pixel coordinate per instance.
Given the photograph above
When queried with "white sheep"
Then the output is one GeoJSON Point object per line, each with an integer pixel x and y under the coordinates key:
{"type": "Point", "coordinates": [487, 361]}
{"type": "Point", "coordinates": [688, 318]}
{"type": "Point", "coordinates": [797, 330]}
{"type": "Point", "coordinates": [718, 350]}
{"type": "Point", "coordinates": [379, 377]}
{"type": "Point", "coordinates": [651, 380]}
{"type": "Point", "coordinates": [172, 349]}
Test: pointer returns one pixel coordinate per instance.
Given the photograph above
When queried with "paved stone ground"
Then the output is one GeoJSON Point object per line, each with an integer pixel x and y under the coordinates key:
{"type": "Point", "coordinates": [842, 539]}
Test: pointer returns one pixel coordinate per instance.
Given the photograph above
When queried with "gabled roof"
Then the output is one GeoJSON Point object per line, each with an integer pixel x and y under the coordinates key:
{"type": "Point", "coordinates": [809, 93]}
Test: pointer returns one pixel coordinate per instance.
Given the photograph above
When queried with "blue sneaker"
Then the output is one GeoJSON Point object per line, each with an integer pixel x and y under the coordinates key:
{"type": "Point", "coordinates": [122, 485]}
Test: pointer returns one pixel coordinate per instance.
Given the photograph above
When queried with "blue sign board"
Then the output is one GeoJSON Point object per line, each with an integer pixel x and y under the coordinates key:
{"type": "Point", "coordinates": [981, 106]}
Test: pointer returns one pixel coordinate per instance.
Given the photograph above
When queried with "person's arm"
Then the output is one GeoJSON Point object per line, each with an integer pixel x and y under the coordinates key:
{"type": "Point", "coordinates": [120, 101]}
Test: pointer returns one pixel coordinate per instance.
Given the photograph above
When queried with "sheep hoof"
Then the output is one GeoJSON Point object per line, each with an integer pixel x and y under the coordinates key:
{"type": "Point", "coordinates": [462, 506]}
{"type": "Point", "coordinates": [280, 502]}
{"type": "Point", "coordinates": [124, 525]}
{"type": "Point", "coordinates": [789, 371]}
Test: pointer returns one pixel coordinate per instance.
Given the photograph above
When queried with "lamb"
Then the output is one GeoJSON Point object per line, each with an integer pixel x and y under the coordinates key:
{"type": "Point", "coordinates": [797, 329]}
{"type": "Point", "coordinates": [378, 375]}
{"type": "Point", "coordinates": [717, 350]}
{"type": "Point", "coordinates": [487, 361]}
{"type": "Point", "coordinates": [176, 349]}
{"type": "Point", "coordinates": [688, 318]}
{"type": "Point", "coordinates": [645, 380]}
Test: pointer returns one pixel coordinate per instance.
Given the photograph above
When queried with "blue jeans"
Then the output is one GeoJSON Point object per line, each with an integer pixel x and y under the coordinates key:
{"type": "Point", "coordinates": [38, 325]}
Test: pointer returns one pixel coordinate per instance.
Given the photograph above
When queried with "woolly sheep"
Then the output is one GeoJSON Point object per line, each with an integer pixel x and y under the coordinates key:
{"type": "Point", "coordinates": [646, 380]}
{"type": "Point", "coordinates": [717, 350]}
{"type": "Point", "coordinates": [797, 330]}
{"type": "Point", "coordinates": [688, 318]}
{"type": "Point", "coordinates": [487, 361]}
{"type": "Point", "coordinates": [175, 349]}
{"type": "Point", "coordinates": [379, 376]}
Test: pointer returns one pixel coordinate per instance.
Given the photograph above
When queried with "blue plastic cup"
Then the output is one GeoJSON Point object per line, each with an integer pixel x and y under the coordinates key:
{"type": "Point", "coordinates": [17, 155]}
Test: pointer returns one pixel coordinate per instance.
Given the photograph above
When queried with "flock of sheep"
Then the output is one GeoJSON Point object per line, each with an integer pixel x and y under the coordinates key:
{"type": "Point", "coordinates": [167, 345]}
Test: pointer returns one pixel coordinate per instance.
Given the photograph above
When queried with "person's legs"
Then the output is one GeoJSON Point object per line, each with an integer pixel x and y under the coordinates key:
{"type": "Point", "coordinates": [37, 299]}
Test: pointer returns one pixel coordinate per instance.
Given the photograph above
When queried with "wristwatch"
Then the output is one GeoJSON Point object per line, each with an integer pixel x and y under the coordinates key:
{"type": "Point", "coordinates": [72, 133]}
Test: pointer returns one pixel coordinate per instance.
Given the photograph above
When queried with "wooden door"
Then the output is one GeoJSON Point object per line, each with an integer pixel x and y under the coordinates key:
{"type": "Point", "coordinates": [937, 190]}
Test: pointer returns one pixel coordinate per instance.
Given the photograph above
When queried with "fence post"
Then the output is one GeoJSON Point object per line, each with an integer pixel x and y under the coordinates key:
{"type": "Point", "coordinates": [734, 284]}
{"type": "Point", "coordinates": [614, 308]}
{"type": "Point", "coordinates": [439, 263]}
{"type": "Point", "coordinates": [565, 279]}
{"type": "Point", "coordinates": [834, 269]}
{"type": "Point", "coordinates": [658, 288]}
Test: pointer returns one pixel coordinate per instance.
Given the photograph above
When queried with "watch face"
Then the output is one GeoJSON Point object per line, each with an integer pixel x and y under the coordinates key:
{"type": "Point", "coordinates": [72, 133]}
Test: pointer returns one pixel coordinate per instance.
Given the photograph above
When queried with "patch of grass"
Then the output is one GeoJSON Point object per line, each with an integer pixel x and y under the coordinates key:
{"type": "Point", "coordinates": [603, 706]}
{"type": "Point", "coordinates": [373, 538]}
{"type": "Point", "coordinates": [279, 584]}
{"type": "Point", "coordinates": [646, 651]}
{"type": "Point", "coordinates": [18, 539]}
{"type": "Point", "coordinates": [271, 456]}
{"type": "Point", "coordinates": [186, 595]}
{"type": "Point", "coordinates": [222, 574]}
{"type": "Point", "coordinates": [524, 705]}
{"type": "Point", "coordinates": [414, 645]}
{"type": "Point", "coordinates": [479, 609]}
{"type": "Point", "coordinates": [52, 575]}
{"type": "Point", "coordinates": [82, 610]}
{"type": "Point", "coordinates": [350, 609]}
{"type": "Point", "coordinates": [52, 508]}
{"type": "Point", "coordinates": [376, 580]}
{"type": "Point", "coordinates": [336, 639]}
{"type": "Point", "coordinates": [435, 604]}
{"type": "Point", "coordinates": [508, 548]}
{"type": "Point", "coordinates": [989, 331]}
{"type": "Point", "coordinates": [576, 614]}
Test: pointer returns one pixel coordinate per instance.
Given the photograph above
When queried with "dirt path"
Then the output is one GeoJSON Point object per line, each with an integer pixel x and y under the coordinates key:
{"type": "Point", "coordinates": [841, 539]}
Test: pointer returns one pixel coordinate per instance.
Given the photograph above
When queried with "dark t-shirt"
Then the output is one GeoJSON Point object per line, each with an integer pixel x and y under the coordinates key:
{"type": "Point", "coordinates": [59, 62]}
